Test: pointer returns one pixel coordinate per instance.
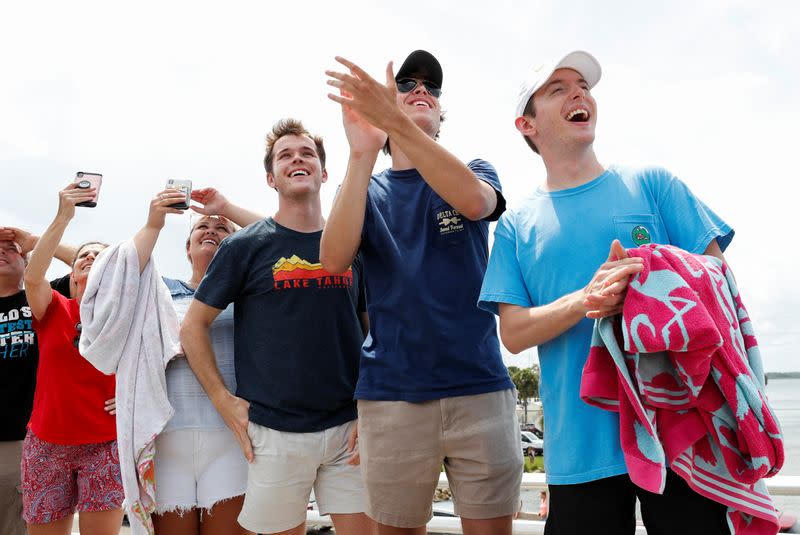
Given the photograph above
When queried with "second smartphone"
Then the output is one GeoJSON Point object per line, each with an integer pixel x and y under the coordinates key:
{"type": "Point", "coordinates": [186, 187]}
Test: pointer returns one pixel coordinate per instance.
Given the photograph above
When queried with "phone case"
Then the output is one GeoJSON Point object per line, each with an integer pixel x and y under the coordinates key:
{"type": "Point", "coordinates": [89, 180]}
{"type": "Point", "coordinates": [186, 187]}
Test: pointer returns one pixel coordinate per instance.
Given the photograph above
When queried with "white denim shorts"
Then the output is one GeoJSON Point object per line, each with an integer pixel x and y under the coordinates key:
{"type": "Point", "coordinates": [196, 468]}
{"type": "Point", "coordinates": [287, 466]}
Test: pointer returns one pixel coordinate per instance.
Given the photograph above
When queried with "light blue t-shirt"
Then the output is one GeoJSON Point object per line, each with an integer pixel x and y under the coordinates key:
{"type": "Point", "coordinates": [193, 409]}
{"type": "Point", "coordinates": [551, 246]}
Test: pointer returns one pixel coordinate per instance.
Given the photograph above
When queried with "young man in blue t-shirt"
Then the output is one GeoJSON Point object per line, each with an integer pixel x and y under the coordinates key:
{"type": "Point", "coordinates": [432, 386]}
{"type": "Point", "coordinates": [551, 273]}
{"type": "Point", "coordinates": [298, 331]}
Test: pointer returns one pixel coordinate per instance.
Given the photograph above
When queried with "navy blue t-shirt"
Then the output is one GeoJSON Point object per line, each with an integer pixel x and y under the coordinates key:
{"type": "Point", "coordinates": [424, 264]}
{"type": "Point", "coordinates": [297, 334]}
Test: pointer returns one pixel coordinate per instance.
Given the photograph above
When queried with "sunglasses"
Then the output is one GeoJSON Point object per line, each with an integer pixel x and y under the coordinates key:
{"type": "Point", "coordinates": [76, 341]}
{"type": "Point", "coordinates": [406, 85]}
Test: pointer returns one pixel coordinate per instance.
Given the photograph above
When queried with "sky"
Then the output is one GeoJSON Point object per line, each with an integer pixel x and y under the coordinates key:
{"type": "Point", "coordinates": [149, 91]}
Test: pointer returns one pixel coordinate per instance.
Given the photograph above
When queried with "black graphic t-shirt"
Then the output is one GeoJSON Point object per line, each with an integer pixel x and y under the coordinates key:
{"type": "Point", "coordinates": [296, 327]}
{"type": "Point", "coordinates": [19, 357]}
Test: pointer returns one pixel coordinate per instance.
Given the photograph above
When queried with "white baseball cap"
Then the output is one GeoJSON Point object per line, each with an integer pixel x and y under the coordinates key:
{"type": "Point", "coordinates": [580, 61]}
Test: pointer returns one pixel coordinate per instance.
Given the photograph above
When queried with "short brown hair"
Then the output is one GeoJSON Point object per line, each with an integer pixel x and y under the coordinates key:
{"type": "Point", "coordinates": [290, 127]}
{"type": "Point", "coordinates": [530, 110]}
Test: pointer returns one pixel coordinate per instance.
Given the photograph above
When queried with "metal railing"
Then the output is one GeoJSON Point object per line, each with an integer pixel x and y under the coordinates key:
{"type": "Point", "coordinates": [778, 486]}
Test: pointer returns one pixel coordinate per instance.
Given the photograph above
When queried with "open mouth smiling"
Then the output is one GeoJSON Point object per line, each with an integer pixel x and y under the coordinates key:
{"type": "Point", "coordinates": [421, 103]}
{"type": "Point", "coordinates": [299, 172]}
{"type": "Point", "coordinates": [578, 115]}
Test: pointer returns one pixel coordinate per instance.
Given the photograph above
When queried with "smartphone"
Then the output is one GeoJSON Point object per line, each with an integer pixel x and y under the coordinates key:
{"type": "Point", "coordinates": [186, 187]}
{"type": "Point", "coordinates": [86, 181]}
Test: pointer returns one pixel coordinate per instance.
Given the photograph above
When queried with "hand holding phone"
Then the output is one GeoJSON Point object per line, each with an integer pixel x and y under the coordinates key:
{"type": "Point", "coordinates": [186, 187]}
{"type": "Point", "coordinates": [86, 181]}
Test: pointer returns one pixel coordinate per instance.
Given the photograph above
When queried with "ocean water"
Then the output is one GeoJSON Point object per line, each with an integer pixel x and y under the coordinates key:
{"type": "Point", "coordinates": [784, 397]}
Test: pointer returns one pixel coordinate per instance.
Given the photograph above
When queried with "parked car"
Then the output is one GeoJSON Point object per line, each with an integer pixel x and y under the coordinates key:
{"type": "Point", "coordinates": [531, 444]}
{"type": "Point", "coordinates": [533, 429]}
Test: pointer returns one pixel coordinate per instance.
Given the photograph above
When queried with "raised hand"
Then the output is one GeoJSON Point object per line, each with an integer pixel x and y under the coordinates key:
{"type": "Point", "coordinates": [24, 239]}
{"type": "Point", "coordinates": [160, 207]}
{"type": "Point", "coordinates": [361, 135]}
{"type": "Point", "coordinates": [213, 202]}
{"type": "Point", "coordinates": [235, 412]}
{"type": "Point", "coordinates": [605, 293]}
{"type": "Point", "coordinates": [69, 197]}
{"type": "Point", "coordinates": [373, 101]}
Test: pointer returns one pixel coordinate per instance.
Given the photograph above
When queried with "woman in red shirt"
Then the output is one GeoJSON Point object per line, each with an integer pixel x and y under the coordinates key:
{"type": "Point", "coordinates": [69, 457]}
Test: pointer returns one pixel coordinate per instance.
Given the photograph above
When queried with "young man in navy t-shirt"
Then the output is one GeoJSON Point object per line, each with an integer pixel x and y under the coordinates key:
{"type": "Point", "coordinates": [432, 387]}
{"type": "Point", "coordinates": [551, 273]}
{"type": "Point", "coordinates": [297, 336]}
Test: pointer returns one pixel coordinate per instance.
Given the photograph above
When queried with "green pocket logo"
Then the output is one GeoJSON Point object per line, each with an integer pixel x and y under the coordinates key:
{"type": "Point", "coordinates": [640, 235]}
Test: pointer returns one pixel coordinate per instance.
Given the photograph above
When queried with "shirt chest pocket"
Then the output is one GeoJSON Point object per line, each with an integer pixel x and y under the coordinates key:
{"type": "Point", "coordinates": [639, 229]}
{"type": "Point", "coordinates": [447, 225]}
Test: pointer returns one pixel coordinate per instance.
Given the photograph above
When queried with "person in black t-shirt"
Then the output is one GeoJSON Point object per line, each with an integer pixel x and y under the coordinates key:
{"type": "Point", "coordinates": [297, 340]}
{"type": "Point", "coordinates": [19, 357]}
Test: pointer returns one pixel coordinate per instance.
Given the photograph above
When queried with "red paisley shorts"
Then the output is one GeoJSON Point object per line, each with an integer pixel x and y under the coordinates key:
{"type": "Point", "coordinates": [61, 479]}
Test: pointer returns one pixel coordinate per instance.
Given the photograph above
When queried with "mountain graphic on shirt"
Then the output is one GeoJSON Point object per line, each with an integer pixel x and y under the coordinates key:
{"type": "Point", "coordinates": [295, 267]}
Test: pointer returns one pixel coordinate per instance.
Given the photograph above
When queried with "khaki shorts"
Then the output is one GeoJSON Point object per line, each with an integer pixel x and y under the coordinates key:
{"type": "Point", "coordinates": [287, 466]}
{"type": "Point", "coordinates": [403, 446]}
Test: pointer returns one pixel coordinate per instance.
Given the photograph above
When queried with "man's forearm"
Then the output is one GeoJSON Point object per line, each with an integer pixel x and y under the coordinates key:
{"type": "Point", "coordinates": [241, 216]}
{"type": "Point", "coordinates": [196, 344]}
{"type": "Point", "coordinates": [446, 174]}
{"type": "Point", "coordinates": [66, 253]}
{"type": "Point", "coordinates": [522, 328]}
{"type": "Point", "coordinates": [342, 235]}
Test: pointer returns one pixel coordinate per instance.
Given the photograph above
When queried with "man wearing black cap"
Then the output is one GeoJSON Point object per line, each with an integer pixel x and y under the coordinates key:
{"type": "Point", "coordinates": [432, 386]}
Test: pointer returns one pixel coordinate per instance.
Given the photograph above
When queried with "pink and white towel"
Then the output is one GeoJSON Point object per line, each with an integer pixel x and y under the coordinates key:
{"type": "Point", "coordinates": [681, 366]}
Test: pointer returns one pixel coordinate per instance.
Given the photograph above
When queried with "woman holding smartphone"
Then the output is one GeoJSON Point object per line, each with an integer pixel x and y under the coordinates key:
{"type": "Point", "coordinates": [70, 461]}
{"type": "Point", "coordinates": [199, 471]}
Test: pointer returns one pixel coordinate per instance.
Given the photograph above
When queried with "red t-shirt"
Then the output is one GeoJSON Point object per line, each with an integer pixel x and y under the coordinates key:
{"type": "Point", "coordinates": [70, 392]}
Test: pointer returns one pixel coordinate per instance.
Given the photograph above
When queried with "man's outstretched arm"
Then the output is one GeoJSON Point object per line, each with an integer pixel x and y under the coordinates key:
{"type": "Point", "coordinates": [27, 241]}
{"type": "Point", "coordinates": [376, 103]}
{"type": "Point", "coordinates": [342, 235]}
{"type": "Point", "coordinates": [525, 327]}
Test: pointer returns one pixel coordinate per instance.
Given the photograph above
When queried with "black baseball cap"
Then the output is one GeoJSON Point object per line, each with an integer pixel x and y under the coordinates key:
{"type": "Point", "coordinates": [421, 64]}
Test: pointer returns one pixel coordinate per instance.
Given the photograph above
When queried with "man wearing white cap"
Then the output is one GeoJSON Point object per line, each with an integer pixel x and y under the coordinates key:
{"type": "Point", "coordinates": [549, 262]}
{"type": "Point", "coordinates": [432, 388]}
